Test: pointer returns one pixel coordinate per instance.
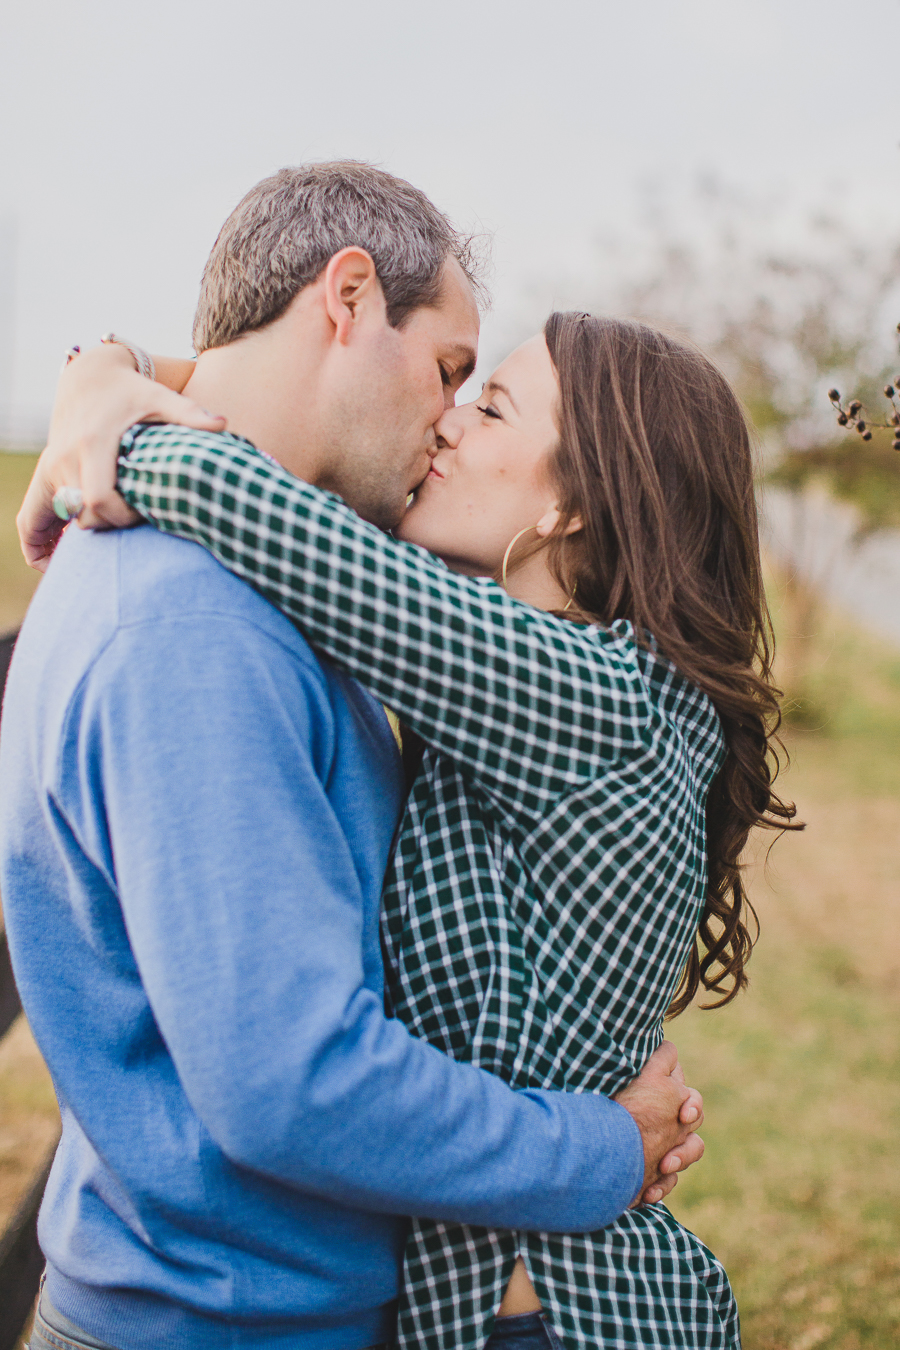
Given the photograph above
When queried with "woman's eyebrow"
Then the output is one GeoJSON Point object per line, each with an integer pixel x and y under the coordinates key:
{"type": "Point", "coordinates": [502, 389]}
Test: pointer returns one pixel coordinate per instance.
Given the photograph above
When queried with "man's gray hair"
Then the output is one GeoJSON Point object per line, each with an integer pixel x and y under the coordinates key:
{"type": "Point", "coordinates": [282, 235]}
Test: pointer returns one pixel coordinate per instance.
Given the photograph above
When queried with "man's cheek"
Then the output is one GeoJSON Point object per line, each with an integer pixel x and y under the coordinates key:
{"type": "Point", "coordinates": [432, 395]}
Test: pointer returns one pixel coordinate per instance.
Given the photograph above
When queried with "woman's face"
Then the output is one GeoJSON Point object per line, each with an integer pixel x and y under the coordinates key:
{"type": "Point", "coordinates": [490, 477]}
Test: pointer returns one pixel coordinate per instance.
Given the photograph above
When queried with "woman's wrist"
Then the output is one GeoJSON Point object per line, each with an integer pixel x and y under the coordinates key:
{"type": "Point", "coordinates": [143, 362]}
{"type": "Point", "coordinates": [105, 356]}
{"type": "Point", "coordinates": [99, 396]}
{"type": "Point", "coordinates": [173, 371]}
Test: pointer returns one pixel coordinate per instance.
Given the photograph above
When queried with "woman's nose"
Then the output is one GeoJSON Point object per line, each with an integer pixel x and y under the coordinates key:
{"type": "Point", "coordinates": [448, 428]}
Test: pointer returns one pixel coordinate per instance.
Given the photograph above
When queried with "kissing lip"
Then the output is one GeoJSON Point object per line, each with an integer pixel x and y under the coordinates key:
{"type": "Point", "coordinates": [434, 473]}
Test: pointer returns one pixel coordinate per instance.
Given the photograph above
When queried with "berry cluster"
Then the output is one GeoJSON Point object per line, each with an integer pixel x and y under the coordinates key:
{"type": "Point", "coordinates": [850, 416]}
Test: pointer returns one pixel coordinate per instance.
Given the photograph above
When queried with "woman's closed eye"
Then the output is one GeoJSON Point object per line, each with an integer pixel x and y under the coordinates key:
{"type": "Point", "coordinates": [489, 410]}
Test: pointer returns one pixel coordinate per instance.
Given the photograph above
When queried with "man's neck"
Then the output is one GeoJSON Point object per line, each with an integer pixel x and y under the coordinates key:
{"type": "Point", "coordinates": [273, 408]}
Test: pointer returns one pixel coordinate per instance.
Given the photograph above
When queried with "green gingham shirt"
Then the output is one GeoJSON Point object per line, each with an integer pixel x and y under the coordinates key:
{"type": "Point", "coordinates": [549, 872]}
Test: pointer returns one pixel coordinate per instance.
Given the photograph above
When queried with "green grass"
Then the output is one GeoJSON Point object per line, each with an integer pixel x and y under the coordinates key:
{"type": "Point", "coordinates": [843, 685]}
{"type": "Point", "coordinates": [799, 1193]}
{"type": "Point", "coordinates": [17, 581]}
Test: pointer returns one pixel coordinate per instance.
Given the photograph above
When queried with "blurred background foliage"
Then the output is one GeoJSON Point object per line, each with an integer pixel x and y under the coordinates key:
{"type": "Point", "coordinates": [864, 474]}
{"type": "Point", "coordinates": [789, 306]}
{"type": "Point", "coordinates": [17, 582]}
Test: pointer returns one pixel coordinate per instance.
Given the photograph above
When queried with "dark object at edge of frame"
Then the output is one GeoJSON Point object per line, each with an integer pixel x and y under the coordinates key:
{"type": "Point", "coordinates": [21, 1260]}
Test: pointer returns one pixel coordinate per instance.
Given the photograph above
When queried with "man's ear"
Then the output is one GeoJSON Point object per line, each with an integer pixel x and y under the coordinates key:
{"type": "Point", "coordinates": [550, 521]}
{"type": "Point", "coordinates": [351, 286]}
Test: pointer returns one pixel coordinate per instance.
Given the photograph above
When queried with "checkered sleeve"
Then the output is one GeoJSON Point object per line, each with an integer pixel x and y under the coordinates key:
{"type": "Point", "coordinates": [530, 702]}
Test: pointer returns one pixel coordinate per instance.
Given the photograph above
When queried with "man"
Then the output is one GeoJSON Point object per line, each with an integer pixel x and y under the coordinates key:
{"type": "Point", "coordinates": [197, 816]}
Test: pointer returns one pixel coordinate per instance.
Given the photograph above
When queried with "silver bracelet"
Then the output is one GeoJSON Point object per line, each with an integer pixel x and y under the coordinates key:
{"type": "Point", "coordinates": [142, 360]}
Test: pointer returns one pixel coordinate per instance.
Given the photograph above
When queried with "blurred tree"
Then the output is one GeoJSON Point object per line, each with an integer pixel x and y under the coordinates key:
{"type": "Point", "coordinates": [788, 309]}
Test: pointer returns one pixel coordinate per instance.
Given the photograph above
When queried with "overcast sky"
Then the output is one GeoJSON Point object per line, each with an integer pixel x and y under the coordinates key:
{"type": "Point", "coordinates": [128, 132]}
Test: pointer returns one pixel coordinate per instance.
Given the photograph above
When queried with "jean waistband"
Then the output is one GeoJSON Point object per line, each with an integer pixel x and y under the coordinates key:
{"type": "Point", "coordinates": [52, 1328]}
{"type": "Point", "coordinates": [53, 1331]}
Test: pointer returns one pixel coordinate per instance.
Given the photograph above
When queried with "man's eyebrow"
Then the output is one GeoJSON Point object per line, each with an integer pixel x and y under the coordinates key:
{"type": "Point", "coordinates": [502, 389]}
{"type": "Point", "coordinates": [466, 357]}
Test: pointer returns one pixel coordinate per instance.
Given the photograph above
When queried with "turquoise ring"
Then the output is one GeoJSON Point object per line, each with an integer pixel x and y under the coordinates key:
{"type": "Point", "coordinates": [68, 502]}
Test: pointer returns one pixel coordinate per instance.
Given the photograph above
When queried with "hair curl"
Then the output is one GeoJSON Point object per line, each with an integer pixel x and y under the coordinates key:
{"type": "Point", "coordinates": [655, 457]}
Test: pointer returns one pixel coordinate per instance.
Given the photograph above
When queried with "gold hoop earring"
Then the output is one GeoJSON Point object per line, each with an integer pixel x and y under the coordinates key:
{"type": "Point", "coordinates": [509, 548]}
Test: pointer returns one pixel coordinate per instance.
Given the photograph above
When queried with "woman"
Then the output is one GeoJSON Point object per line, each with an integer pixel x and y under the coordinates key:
{"type": "Point", "coordinates": [597, 731]}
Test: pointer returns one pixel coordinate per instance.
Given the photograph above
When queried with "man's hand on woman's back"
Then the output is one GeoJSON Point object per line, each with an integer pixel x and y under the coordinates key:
{"type": "Point", "coordinates": [667, 1113]}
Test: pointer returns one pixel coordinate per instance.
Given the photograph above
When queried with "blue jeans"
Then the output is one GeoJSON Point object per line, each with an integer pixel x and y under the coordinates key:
{"type": "Point", "coordinates": [527, 1331]}
{"type": "Point", "coordinates": [52, 1331]}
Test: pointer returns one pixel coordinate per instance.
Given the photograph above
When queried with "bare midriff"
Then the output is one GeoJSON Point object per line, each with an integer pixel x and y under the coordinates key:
{"type": "Point", "coordinates": [520, 1296]}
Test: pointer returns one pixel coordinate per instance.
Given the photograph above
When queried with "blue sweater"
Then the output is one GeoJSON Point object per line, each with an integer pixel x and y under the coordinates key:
{"type": "Point", "coordinates": [195, 817]}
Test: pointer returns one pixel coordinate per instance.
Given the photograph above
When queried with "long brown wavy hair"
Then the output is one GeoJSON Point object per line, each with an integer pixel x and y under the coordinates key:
{"type": "Point", "coordinates": [655, 457]}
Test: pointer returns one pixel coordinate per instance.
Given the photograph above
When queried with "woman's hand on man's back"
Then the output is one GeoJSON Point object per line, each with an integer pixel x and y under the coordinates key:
{"type": "Point", "coordinates": [99, 396]}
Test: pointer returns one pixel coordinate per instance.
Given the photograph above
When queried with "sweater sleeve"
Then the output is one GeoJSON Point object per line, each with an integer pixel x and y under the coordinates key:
{"type": "Point", "coordinates": [531, 703]}
{"type": "Point", "coordinates": [213, 747]}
